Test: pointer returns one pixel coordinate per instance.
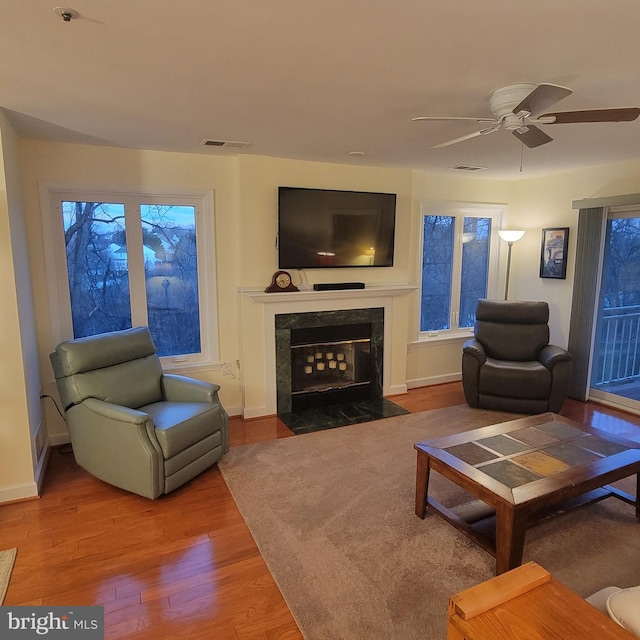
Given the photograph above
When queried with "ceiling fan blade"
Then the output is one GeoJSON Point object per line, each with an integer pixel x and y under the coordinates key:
{"type": "Point", "coordinates": [475, 134]}
{"type": "Point", "coordinates": [594, 115]}
{"type": "Point", "coordinates": [479, 120]}
{"type": "Point", "coordinates": [542, 97]}
{"type": "Point", "coordinates": [531, 136]}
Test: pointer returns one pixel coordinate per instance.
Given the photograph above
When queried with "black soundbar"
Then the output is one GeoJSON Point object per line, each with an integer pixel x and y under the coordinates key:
{"type": "Point", "coordinates": [333, 286]}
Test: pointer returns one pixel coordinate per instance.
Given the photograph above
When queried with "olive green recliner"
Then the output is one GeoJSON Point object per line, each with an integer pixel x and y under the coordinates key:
{"type": "Point", "coordinates": [509, 365]}
{"type": "Point", "coordinates": [132, 425]}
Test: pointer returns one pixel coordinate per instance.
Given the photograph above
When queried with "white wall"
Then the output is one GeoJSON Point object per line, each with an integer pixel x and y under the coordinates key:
{"type": "Point", "coordinates": [533, 204]}
{"type": "Point", "coordinates": [94, 166]}
{"type": "Point", "coordinates": [547, 202]}
{"type": "Point", "coordinates": [20, 414]}
{"type": "Point", "coordinates": [434, 362]}
{"type": "Point", "coordinates": [259, 181]}
{"type": "Point", "coordinates": [245, 193]}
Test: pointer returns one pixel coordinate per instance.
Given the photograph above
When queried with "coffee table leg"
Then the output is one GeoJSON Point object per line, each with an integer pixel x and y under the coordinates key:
{"type": "Point", "coordinates": [511, 528]}
{"type": "Point", "coordinates": [422, 483]}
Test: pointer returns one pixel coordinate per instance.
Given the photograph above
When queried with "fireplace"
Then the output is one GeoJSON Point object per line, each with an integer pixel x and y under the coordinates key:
{"type": "Point", "coordinates": [258, 311]}
{"type": "Point", "coordinates": [328, 358]}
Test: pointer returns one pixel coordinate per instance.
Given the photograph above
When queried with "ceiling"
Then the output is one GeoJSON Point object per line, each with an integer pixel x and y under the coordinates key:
{"type": "Point", "coordinates": [316, 80]}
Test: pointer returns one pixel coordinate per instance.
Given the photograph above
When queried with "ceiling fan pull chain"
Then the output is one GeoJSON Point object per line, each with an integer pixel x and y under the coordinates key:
{"type": "Point", "coordinates": [521, 155]}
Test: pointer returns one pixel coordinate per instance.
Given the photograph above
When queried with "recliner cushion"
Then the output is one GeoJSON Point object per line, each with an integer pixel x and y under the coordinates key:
{"type": "Point", "coordinates": [531, 380]}
{"type": "Point", "coordinates": [102, 350]}
{"type": "Point", "coordinates": [120, 367]}
{"type": "Point", "coordinates": [130, 384]}
{"type": "Point", "coordinates": [512, 330]}
{"type": "Point", "coordinates": [179, 425]}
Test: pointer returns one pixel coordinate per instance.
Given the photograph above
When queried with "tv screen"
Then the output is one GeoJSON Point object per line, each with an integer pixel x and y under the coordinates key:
{"type": "Point", "coordinates": [322, 228]}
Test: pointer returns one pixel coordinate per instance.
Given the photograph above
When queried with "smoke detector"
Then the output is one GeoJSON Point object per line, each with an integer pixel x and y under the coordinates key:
{"type": "Point", "coordinates": [66, 13]}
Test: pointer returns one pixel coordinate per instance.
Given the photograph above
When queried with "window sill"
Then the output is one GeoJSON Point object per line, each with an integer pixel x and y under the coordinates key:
{"type": "Point", "coordinates": [443, 336]}
{"type": "Point", "coordinates": [193, 367]}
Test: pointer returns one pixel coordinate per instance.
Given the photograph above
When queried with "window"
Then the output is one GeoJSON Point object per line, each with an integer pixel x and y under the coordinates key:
{"type": "Point", "coordinates": [458, 265]}
{"type": "Point", "coordinates": [615, 367]}
{"type": "Point", "coordinates": [125, 259]}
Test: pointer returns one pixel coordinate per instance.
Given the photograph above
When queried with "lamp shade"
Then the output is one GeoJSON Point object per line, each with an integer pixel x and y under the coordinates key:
{"type": "Point", "coordinates": [510, 235]}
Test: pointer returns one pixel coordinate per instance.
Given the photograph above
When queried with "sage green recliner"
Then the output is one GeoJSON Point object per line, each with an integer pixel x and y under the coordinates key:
{"type": "Point", "coordinates": [132, 425]}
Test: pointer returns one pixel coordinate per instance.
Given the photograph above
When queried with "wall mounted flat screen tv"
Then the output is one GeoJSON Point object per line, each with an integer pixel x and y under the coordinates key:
{"type": "Point", "coordinates": [322, 228]}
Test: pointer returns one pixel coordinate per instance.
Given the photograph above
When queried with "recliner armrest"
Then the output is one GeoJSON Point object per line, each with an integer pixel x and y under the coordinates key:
{"type": "Point", "coordinates": [177, 388]}
{"type": "Point", "coordinates": [115, 411]}
{"type": "Point", "coordinates": [473, 348]}
{"type": "Point", "coordinates": [552, 355]}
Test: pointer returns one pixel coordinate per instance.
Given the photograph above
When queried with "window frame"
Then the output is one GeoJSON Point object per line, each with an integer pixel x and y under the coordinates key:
{"type": "Point", "coordinates": [51, 197]}
{"type": "Point", "coordinates": [459, 211]}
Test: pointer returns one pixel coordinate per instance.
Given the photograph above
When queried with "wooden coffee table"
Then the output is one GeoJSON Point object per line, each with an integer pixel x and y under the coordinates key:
{"type": "Point", "coordinates": [523, 471]}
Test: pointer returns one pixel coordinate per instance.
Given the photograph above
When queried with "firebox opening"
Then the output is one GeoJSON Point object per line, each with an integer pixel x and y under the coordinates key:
{"type": "Point", "coordinates": [330, 365]}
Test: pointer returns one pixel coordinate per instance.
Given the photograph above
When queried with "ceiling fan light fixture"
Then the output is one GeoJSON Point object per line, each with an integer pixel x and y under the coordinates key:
{"type": "Point", "coordinates": [518, 108]}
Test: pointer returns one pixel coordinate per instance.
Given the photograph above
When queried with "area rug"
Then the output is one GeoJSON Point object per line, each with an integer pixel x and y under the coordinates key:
{"type": "Point", "coordinates": [7, 559]}
{"type": "Point", "coordinates": [332, 513]}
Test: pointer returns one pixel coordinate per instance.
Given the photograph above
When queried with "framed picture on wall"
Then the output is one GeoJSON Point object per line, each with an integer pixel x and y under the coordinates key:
{"type": "Point", "coordinates": [553, 254]}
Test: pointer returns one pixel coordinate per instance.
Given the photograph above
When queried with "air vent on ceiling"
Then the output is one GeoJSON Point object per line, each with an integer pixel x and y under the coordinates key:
{"type": "Point", "coordinates": [467, 167]}
{"type": "Point", "coordinates": [226, 144]}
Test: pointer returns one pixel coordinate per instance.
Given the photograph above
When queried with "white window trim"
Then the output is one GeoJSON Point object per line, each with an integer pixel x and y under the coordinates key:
{"type": "Point", "coordinates": [56, 266]}
{"type": "Point", "coordinates": [453, 208]}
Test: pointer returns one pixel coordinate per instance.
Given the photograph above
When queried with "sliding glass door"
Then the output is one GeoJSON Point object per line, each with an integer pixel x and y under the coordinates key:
{"type": "Point", "coordinates": [615, 365]}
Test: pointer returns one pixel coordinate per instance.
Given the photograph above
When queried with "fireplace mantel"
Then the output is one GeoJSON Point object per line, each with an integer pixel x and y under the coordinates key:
{"type": "Point", "coordinates": [309, 295]}
{"type": "Point", "coordinates": [257, 329]}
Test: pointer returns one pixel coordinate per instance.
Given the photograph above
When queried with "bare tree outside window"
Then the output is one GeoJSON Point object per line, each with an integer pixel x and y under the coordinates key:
{"type": "Point", "coordinates": [621, 276]}
{"type": "Point", "coordinates": [98, 266]}
{"type": "Point", "coordinates": [476, 239]}
{"type": "Point", "coordinates": [616, 359]}
{"type": "Point", "coordinates": [437, 264]}
{"type": "Point", "coordinates": [438, 286]}
{"type": "Point", "coordinates": [171, 277]}
{"type": "Point", "coordinates": [96, 263]}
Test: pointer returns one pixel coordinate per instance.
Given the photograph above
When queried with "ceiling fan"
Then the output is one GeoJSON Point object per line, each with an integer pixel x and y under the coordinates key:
{"type": "Point", "coordinates": [518, 108]}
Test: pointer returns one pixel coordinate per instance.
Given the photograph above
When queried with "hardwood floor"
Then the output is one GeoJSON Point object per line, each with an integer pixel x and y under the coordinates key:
{"type": "Point", "coordinates": [184, 566]}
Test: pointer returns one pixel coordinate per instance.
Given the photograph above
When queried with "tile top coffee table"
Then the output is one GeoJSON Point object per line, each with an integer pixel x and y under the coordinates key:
{"type": "Point", "coordinates": [523, 471]}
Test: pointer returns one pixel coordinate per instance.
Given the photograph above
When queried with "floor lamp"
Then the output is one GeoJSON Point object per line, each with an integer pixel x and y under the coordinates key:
{"type": "Point", "coordinates": [509, 236]}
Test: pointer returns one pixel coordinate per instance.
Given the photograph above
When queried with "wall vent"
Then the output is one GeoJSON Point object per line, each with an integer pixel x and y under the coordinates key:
{"type": "Point", "coordinates": [467, 167]}
{"type": "Point", "coordinates": [226, 144]}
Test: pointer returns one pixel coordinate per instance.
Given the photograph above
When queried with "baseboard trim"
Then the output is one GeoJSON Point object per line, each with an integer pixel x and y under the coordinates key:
{"type": "Point", "coordinates": [43, 463]}
{"type": "Point", "coordinates": [259, 412]}
{"type": "Point", "coordinates": [234, 411]}
{"type": "Point", "coordinates": [19, 492]}
{"type": "Point", "coordinates": [397, 390]}
{"type": "Point", "coordinates": [59, 439]}
{"type": "Point", "coordinates": [433, 380]}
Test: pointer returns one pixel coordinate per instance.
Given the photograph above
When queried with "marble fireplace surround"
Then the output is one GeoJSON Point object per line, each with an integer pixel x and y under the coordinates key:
{"type": "Point", "coordinates": [258, 311]}
{"type": "Point", "coordinates": [285, 323]}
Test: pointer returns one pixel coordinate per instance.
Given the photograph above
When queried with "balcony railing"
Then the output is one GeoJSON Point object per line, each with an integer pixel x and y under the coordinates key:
{"type": "Point", "coordinates": [619, 346]}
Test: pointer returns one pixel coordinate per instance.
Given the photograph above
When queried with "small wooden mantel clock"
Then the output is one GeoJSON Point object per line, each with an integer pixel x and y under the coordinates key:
{"type": "Point", "coordinates": [281, 281]}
